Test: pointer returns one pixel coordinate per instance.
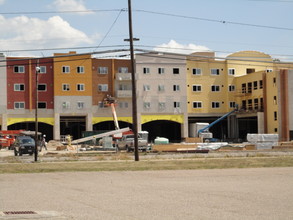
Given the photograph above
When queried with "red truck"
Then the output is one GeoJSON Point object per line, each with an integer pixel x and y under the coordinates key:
{"type": "Point", "coordinates": [7, 138]}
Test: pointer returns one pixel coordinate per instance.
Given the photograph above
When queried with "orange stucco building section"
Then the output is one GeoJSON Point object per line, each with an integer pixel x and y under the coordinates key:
{"type": "Point", "coordinates": [72, 62]}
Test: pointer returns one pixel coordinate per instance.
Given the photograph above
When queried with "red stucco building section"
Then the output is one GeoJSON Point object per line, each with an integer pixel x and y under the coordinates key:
{"type": "Point", "coordinates": [28, 79]}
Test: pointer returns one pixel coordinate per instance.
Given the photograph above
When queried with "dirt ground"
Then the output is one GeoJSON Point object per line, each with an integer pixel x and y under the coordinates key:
{"type": "Point", "coordinates": [259, 193]}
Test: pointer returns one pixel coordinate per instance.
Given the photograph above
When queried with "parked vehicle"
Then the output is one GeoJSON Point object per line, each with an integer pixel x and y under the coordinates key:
{"type": "Point", "coordinates": [127, 143]}
{"type": "Point", "coordinates": [7, 138]}
{"type": "Point", "coordinates": [24, 145]}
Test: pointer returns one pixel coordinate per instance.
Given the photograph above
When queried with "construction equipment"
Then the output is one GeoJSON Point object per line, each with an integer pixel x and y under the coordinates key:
{"type": "Point", "coordinates": [109, 133]}
{"type": "Point", "coordinates": [201, 132]}
{"type": "Point", "coordinates": [7, 137]}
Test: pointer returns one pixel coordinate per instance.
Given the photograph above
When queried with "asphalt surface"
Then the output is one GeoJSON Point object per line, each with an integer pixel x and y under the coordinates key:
{"type": "Point", "coordinates": [259, 193]}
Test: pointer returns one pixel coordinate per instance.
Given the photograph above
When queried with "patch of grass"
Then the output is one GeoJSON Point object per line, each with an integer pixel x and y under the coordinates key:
{"type": "Point", "coordinates": [130, 165]}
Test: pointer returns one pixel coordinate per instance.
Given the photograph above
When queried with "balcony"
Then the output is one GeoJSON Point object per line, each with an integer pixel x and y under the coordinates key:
{"type": "Point", "coordinates": [124, 93]}
{"type": "Point", "coordinates": [123, 76]}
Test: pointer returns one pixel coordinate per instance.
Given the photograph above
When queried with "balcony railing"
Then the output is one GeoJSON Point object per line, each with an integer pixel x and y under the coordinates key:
{"type": "Point", "coordinates": [124, 93]}
{"type": "Point", "coordinates": [123, 76]}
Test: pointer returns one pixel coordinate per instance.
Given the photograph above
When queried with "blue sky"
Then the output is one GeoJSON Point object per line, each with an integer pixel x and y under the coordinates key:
{"type": "Point", "coordinates": [190, 24]}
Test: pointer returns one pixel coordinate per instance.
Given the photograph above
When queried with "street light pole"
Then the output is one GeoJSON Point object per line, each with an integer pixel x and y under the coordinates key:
{"type": "Point", "coordinates": [36, 115]}
{"type": "Point", "coordinates": [133, 82]}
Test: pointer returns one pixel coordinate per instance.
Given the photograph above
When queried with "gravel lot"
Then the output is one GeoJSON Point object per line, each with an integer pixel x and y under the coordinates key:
{"type": "Point", "coordinates": [262, 193]}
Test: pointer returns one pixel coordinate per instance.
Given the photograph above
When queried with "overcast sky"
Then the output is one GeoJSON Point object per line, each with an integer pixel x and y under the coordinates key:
{"type": "Point", "coordinates": [224, 26]}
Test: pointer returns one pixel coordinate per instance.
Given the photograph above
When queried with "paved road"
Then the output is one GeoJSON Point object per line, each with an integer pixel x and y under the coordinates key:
{"type": "Point", "coordinates": [262, 193]}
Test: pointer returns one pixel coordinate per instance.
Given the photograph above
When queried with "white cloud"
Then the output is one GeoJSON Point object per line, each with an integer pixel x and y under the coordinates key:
{"type": "Point", "coordinates": [71, 5]}
{"type": "Point", "coordinates": [174, 47]}
{"type": "Point", "coordinates": [2, 2]}
{"type": "Point", "coordinates": [32, 33]}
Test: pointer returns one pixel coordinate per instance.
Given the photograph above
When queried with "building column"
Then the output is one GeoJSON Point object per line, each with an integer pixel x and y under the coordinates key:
{"type": "Point", "coordinates": [138, 121]}
{"type": "Point", "coordinates": [4, 122]}
{"type": "Point", "coordinates": [89, 122]}
{"type": "Point", "coordinates": [56, 128]}
{"type": "Point", "coordinates": [184, 127]}
{"type": "Point", "coordinates": [260, 123]}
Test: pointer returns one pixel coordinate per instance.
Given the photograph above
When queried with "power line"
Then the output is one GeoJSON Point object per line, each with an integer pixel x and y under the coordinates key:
{"type": "Point", "coordinates": [59, 12]}
{"type": "Point", "coordinates": [213, 20]}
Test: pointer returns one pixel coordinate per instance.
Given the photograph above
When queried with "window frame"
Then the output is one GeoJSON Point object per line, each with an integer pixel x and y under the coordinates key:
{"type": "Point", "coordinates": [197, 104]}
{"type": "Point", "coordinates": [217, 71]}
{"type": "Point", "coordinates": [19, 85]}
{"type": "Point", "coordinates": [80, 69]}
{"type": "Point", "coordinates": [19, 103]}
{"type": "Point", "coordinates": [196, 72]}
{"type": "Point", "coordinates": [65, 87]}
{"type": "Point", "coordinates": [18, 69]}
{"type": "Point", "coordinates": [65, 69]}
{"type": "Point", "coordinates": [103, 70]}
{"type": "Point", "coordinates": [80, 87]}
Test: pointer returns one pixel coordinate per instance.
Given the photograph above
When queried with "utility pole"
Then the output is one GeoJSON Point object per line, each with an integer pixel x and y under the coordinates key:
{"type": "Point", "coordinates": [133, 82]}
{"type": "Point", "coordinates": [36, 115]}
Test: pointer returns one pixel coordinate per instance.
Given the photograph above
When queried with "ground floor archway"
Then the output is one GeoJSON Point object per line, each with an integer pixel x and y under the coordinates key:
{"type": "Point", "coordinates": [163, 128]}
{"type": "Point", "coordinates": [30, 126]}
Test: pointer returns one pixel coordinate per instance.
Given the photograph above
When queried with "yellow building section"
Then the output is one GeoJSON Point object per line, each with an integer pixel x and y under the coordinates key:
{"type": "Point", "coordinates": [97, 120]}
{"type": "Point", "coordinates": [176, 118]}
{"type": "Point", "coordinates": [207, 84]}
{"type": "Point", "coordinates": [72, 74]}
{"type": "Point", "coordinates": [11, 121]}
{"type": "Point", "coordinates": [272, 102]}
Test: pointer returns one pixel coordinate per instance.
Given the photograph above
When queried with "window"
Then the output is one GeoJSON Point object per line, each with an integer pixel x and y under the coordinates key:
{"type": "Point", "coordinates": [215, 104]}
{"type": "Point", "coordinates": [196, 88]}
{"type": "Point", "coordinates": [249, 87]}
{"type": "Point", "coordinates": [18, 105]}
{"type": "Point", "coordinates": [255, 85]}
{"type": "Point", "coordinates": [65, 87]}
{"type": "Point", "coordinates": [65, 69]}
{"type": "Point", "coordinates": [215, 71]}
{"type": "Point", "coordinates": [80, 87]}
{"type": "Point", "coordinates": [103, 70]}
{"type": "Point", "coordinates": [147, 105]}
{"type": "Point", "coordinates": [146, 87]}
{"type": "Point", "coordinates": [18, 69]}
{"type": "Point", "coordinates": [274, 81]}
{"type": "Point", "coordinates": [42, 105]}
{"type": "Point", "coordinates": [146, 70]}
{"type": "Point", "coordinates": [260, 84]}
{"type": "Point", "coordinates": [161, 70]}
{"type": "Point", "coordinates": [249, 104]}
{"type": "Point", "coordinates": [231, 72]}
{"type": "Point", "coordinates": [196, 71]}
{"type": "Point", "coordinates": [175, 70]}
{"type": "Point", "coordinates": [80, 69]}
{"type": "Point", "coordinates": [42, 87]}
{"type": "Point", "coordinates": [103, 87]}
{"type": "Point", "coordinates": [231, 88]}
{"type": "Point", "coordinates": [255, 104]}
{"type": "Point", "coordinates": [215, 88]}
{"type": "Point", "coordinates": [123, 70]}
{"type": "Point", "coordinates": [65, 105]}
{"type": "Point", "coordinates": [197, 104]}
{"type": "Point", "coordinates": [161, 88]}
{"type": "Point", "coordinates": [275, 116]}
{"type": "Point", "coordinates": [80, 105]}
{"type": "Point", "coordinates": [261, 103]}
{"type": "Point", "coordinates": [176, 88]}
{"type": "Point", "coordinates": [243, 87]}
{"type": "Point", "coordinates": [123, 104]}
{"type": "Point", "coordinates": [232, 104]}
{"type": "Point", "coordinates": [18, 87]}
{"type": "Point", "coordinates": [176, 104]}
{"type": "Point", "coordinates": [275, 100]}
{"type": "Point", "coordinates": [250, 70]}
{"type": "Point", "coordinates": [162, 105]}
{"type": "Point", "coordinates": [269, 70]}
{"type": "Point", "coordinates": [43, 69]}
